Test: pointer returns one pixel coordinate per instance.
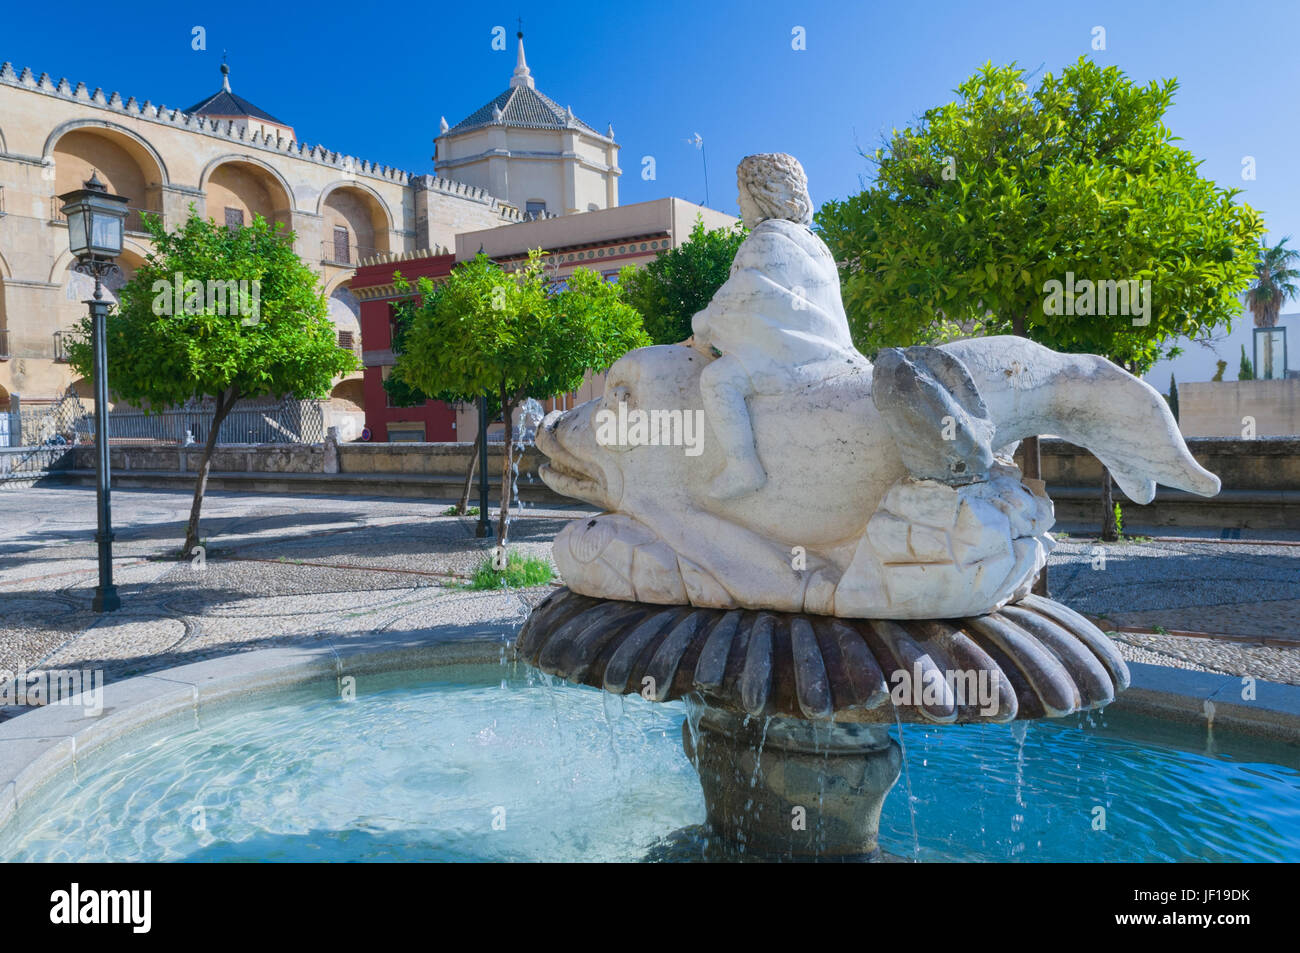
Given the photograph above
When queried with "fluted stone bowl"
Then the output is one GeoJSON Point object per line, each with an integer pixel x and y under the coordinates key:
{"type": "Point", "coordinates": [1041, 659]}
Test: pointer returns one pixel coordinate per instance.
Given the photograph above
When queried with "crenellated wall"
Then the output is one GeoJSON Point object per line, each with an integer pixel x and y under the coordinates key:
{"type": "Point", "coordinates": [52, 133]}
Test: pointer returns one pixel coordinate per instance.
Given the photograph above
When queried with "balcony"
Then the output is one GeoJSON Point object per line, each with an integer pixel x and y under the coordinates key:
{"type": "Point", "coordinates": [134, 223]}
{"type": "Point", "coordinates": [61, 346]}
{"type": "Point", "coordinates": [347, 256]}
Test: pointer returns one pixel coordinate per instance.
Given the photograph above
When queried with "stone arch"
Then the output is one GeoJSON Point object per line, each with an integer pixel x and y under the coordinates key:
{"type": "Point", "coordinates": [249, 185]}
{"type": "Point", "coordinates": [360, 186]}
{"type": "Point", "coordinates": [345, 312]}
{"type": "Point", "coordinates": [127, 164]}
{"type": "Point", "coordinates": [109, 129]}
{"type": "Point", "coordinates": [352, 391]}
{"type": "Point", "coordinates": [355, 211]}
{"type": "Point", "coordinates": [336, 281]}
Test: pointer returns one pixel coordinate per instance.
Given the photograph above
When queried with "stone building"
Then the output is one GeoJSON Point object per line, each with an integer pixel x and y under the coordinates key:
{"type": "Point", "coordinates": [603, 241]}
{"type": "Point", "coordinates": [231, 160]}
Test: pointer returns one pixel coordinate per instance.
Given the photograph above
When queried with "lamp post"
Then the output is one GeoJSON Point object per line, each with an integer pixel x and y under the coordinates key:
{"type": "Point", "coordinates": [95, 224]}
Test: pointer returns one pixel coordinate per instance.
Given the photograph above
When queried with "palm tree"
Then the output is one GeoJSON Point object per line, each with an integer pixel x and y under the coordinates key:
{"type": "Point", "coordinates": [1276, 277]}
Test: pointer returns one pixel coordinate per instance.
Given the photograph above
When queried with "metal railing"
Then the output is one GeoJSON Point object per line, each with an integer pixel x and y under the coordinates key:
{"type": "Point", "coordinates": [134, 223]}
{"type": "Point", "coordinates": [338, 254]}
{"type": "Point", "coordinates": [23, 464]}
{"type": "Point", "coordinates": [288, 421]}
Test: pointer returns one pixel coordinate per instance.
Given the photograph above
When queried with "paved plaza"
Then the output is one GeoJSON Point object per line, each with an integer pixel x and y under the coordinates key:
{"type": "Point", "coordinates": [283, 569]}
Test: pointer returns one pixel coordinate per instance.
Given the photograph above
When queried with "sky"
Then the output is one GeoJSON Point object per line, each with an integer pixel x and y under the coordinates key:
{"type": "Point", "coordinates": [372, 82]}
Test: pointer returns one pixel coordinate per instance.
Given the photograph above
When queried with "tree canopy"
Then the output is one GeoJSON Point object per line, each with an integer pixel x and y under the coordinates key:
{"type": "Point", "coordinates": [681, 281]}
{"type": "Point", "coordinates": [1002, 203]}
{"type": "Point", "coordinates": [486, 331]}
{"type": "Point", "coordinates": [216, 312]}
{"type": "Point", "coordinates": [249, 320]}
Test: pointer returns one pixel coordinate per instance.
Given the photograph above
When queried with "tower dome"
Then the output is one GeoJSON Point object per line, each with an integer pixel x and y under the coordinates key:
{"type": "Point", "coordinates": [527, 149]}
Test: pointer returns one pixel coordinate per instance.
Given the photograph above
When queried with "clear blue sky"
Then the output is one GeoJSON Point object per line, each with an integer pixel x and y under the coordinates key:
{"type": "Point", "coordinates": [372, 79]}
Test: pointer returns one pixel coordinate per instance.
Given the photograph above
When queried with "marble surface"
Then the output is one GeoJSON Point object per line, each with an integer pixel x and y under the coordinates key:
{"type": "Point", "coordinates": [770, 465]}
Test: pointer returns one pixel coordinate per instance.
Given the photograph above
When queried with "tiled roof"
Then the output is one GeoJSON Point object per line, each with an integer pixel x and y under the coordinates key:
{"type": "Point", "coordinates": [226, 104]}
{"type": "Point", "coordinates": [520, 106]}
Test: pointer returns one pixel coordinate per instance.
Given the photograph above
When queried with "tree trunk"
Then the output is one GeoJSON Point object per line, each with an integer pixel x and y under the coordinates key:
{"type": "Point", "coordinates": [224, 403]}
{"type": "Point", "coordinates": [463, 506]}
{"type": "Point", "coordinates": [507, 411]}
{"type": "Point", "coordinates": [1109, 532]}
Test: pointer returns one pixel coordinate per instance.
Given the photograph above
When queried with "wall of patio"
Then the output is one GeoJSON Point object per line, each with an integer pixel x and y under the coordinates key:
{"type": "Point", "coordinates": [371, 469]}
{"type": "Point", "coordinates": [1261, 486]}
{"type": "Point", "coordinates": [1261, 477]}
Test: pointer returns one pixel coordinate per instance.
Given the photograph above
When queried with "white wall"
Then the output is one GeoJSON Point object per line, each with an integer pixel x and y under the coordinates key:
{"type": "Point", "coordinates": [1198, 362]}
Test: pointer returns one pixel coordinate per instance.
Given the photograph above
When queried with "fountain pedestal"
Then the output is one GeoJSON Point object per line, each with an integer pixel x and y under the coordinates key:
{"type": "Point", "coordinates": [789, 788]}
{"type": "Point", "coordinates": [789, 714]}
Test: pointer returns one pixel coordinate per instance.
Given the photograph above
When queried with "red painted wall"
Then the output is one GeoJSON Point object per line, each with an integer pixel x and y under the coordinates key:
{"type": "Point", "coordinates": [438, 418]}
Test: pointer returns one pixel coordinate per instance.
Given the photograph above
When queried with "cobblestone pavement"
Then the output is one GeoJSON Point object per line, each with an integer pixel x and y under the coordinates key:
{"type": "Point", "coordinates": [283, 568]}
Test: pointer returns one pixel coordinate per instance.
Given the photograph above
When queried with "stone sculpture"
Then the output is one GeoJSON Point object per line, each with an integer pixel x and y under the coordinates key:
{"type": "Point", "coordinates": [789, 528]}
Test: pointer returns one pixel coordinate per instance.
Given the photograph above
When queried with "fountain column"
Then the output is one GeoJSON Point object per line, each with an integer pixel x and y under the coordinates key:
{"type": "Point", "coordinates": [787, 787]}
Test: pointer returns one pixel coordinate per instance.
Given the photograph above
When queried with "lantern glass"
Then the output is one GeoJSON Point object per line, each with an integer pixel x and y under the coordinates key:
{"type": "Point", "coordinates": [78, 240]}
{"type": "Point", "coordinates": [106, 233]}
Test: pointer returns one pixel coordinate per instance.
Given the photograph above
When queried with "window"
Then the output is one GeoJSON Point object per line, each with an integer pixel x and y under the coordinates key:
{"type": "Point", "coordinates": [234, 218]}
{"type": "Point", "coordinates": [405, 432]}
{"type": "Point", "coordinates": [535, 209]}
{"type": "Point", "coordinates": [341, 244]}
{"type": "Point", "coordinates": [345, 340]}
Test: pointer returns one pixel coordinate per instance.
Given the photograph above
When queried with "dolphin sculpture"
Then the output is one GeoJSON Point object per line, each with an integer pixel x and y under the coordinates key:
{"type": "Point", "coordinates": [890, 491]}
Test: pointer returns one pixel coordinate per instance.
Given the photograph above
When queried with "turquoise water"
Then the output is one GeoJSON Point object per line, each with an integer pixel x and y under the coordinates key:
{"type": "Point", "coordinates": [495, 764]}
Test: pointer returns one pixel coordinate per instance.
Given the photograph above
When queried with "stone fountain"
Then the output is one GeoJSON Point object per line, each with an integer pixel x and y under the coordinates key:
{"type": "Point", "coordinates": [809, 548]}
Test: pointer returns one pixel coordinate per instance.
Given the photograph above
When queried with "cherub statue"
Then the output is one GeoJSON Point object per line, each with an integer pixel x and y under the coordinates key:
{"type": "Point", "coordinates": [777, 320]}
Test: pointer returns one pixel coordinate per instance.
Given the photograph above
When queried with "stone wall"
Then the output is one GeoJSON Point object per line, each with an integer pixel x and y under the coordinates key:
{"type": "Point", "coordinates": [1261, 478]}
{"type": "Point", "coordinates": [1261, 486]}
{"type": "Point", "coordinates": [1220, 408]}
{"type": "Point", "coordinates": [430, 459]}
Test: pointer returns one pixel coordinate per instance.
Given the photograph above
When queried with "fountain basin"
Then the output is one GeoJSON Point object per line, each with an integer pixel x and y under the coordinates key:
{"type": "Point", "coordinates": [441, 734]}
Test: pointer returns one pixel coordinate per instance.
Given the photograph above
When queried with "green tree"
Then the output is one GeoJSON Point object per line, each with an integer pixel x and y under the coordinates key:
{"type": "Point", "coordinates": [271, 338]}
{"type": "Point", "coordinates": [1277, 278]}
{"type": "Point", "coordinates": [670, 290]}
{"type": "Point", "coordinates": [1173, 396]}
{"type": "Point", "coordinates": [1245, 370]}
{"type": "Point", "coordinates": [994, 201]}
{"type": "Point", "coordinates": [484, 330]}
{"type": "Point", "coordinates": [403, 394]}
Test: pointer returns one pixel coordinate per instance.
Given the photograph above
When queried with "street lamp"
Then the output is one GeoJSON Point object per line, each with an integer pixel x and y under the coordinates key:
{"type": "Point", "coordinates": [96, 220]}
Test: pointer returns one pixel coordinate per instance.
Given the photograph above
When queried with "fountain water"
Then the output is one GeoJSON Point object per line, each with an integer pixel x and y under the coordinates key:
{"type": "Point", "coordinates": [850, 546]}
